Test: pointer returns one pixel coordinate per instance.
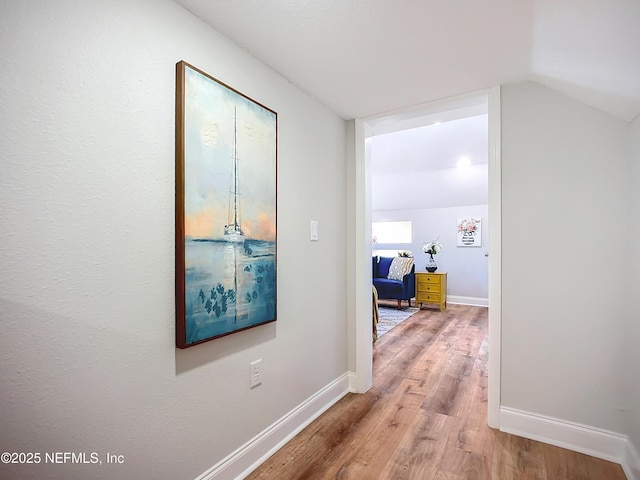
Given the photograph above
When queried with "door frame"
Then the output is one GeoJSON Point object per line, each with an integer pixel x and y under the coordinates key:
{"type": "Point", "coordinates": [359, 131]}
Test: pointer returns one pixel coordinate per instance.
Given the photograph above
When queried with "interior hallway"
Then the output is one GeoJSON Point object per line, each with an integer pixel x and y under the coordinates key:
{"type": "Point", "coordinates": [425, 417]}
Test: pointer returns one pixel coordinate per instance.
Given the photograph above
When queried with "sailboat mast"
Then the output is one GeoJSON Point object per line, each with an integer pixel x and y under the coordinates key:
{"type": "Point", "coordinates": [235, 170]}
{"type": "Point", "coordinates": [233, 232]}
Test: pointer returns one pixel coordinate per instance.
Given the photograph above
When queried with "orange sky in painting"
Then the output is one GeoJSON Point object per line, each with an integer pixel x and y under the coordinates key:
{"type": "Point", "coordinates": [203, 225]}
{"type": "Point", "coordinates": [263, 229]}
{"type": "Point", "coordinates": [200, 225]}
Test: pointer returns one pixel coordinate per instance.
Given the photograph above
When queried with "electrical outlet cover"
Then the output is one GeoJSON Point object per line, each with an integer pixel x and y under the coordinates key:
{"type": "Point", "coordinates": [255, 373]}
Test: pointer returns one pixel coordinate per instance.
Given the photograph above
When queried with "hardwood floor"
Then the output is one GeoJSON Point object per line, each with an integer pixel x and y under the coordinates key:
{"type": "Point", "coordinates": [425, 417]}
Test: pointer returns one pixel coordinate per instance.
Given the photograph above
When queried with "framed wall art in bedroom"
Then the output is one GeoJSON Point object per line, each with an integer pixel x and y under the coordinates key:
{"type": "Point", "coordinates": [469, 232]}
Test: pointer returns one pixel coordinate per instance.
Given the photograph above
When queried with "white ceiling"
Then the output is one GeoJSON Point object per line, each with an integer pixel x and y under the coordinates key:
{"type": "Point", "coordinates": [417, 167]}
{"type": "Point", "coordinates": [432, 147]}
{"type": "Point", "coordinates": [368, 57]}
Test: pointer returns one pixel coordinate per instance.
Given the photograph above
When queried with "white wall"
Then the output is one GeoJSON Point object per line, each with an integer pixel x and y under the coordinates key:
{"type": "Point", "coordinates": [633, 336]}
{"type": "Point", "coordinates": [565, 208]}
{"type": "Point", "coordinates": [87, 246]}
{"type": "Point", "coordinates": [466, 267]}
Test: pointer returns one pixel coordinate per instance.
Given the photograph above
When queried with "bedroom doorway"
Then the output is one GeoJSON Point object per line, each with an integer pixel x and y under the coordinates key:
{"type": "Point", "coordinates": [365, 131]}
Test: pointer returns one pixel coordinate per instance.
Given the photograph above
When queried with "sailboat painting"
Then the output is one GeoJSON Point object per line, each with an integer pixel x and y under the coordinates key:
{"type": "Point", "coordinates": [226, 191]}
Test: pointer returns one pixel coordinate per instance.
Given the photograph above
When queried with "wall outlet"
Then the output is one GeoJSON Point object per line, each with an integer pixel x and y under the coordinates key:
{"type": "Point", "coordinates": [255, 378]}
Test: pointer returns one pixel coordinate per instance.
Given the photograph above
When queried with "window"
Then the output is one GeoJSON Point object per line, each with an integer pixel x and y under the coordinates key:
{"type": "Point", "coordinates": [391, 232]}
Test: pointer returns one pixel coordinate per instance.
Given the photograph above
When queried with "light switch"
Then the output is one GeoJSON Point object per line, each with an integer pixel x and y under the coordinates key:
{"type": "Point", "coordinates": [314, 230]}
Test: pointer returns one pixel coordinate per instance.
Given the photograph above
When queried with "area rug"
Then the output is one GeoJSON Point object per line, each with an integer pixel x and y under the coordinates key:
{"type": "Point", "coordinates": [390, 317]}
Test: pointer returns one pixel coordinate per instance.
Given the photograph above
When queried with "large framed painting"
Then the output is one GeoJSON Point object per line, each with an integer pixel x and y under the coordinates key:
{"type": "Point", "coordinates": [226, 191]}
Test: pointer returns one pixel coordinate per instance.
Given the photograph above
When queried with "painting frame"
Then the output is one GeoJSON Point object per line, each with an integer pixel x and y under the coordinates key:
{"type": "Point", "coordinates": [226, 155]}
{"type": "Point", "coordinates": [469, 232]}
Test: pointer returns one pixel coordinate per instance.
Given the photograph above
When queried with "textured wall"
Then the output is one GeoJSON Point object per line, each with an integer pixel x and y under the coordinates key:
{"type": "Point", "coordinates": [87, 246]}
{"type": "Point", "coordinates": [633, 338]}
{"type": "Point", "coordinates": [565, 206]}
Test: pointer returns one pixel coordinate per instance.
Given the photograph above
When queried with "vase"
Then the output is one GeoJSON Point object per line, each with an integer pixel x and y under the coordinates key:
{"type": "Point", "coordinates": [431, 264]}
{"type": "Point", "coordinates": [468, 238]}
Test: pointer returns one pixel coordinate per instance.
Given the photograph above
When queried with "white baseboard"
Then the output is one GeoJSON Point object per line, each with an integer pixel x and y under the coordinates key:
{"type": "Point", "coordinates": [252, 454]}
{"type": "Point", "coordinates": [473, 301]}
{"type": "Point", "coordinates": [353, 388]}
{"type": "Point", "coordinates": [579, 438]}
{"type": "Point", "coordinates": [631, 464]}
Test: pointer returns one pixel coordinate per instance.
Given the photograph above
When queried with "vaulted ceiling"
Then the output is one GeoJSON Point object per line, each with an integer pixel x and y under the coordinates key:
{"type": "Point", "coordinates": [368, 57]}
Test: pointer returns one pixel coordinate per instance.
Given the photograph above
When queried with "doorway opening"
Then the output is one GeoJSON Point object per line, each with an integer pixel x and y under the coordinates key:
{"type": "Point", "coordinates": [481, 103]}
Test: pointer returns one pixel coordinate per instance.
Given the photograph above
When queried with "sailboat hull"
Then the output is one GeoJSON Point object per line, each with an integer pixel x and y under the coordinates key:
{"type": "Point", "coordinates": [233, 237]}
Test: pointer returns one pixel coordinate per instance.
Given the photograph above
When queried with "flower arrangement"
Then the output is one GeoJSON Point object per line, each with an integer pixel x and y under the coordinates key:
{"type": "Point", "coordinates": [432, 247]}
{"type": "Point", "coordinates": [405, 253]}
{"type": "Point", "coordinates": [469, 226]}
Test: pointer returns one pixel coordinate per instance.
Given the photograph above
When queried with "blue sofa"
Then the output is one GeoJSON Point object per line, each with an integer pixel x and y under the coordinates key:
{"type": "Point", "coordinates": [392, 289]}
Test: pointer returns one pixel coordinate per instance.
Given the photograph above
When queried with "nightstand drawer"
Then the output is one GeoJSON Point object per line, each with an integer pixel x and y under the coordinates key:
{"type": "Point", "coordinates": [428, 297]}
{"type": "Point", "coordinates": [429, 287]}
{"type": "Point", "coordinates": [425, 278]}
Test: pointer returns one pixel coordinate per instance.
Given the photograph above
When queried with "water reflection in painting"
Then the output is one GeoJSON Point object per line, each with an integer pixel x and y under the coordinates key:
{"type": "Point", "coordinates": [230, 286]}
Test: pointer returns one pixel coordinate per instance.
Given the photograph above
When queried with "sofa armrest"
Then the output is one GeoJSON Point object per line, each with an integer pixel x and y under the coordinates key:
{"type": "Point", "coordinates": [409, 283]}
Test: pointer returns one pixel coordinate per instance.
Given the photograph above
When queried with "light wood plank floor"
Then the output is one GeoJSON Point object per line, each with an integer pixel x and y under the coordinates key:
{"type": "Point", "coordinates": [425, 417]}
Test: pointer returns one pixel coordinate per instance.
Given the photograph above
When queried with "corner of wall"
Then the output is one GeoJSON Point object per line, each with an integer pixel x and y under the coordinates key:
{"type": "Point", "coordinates": [592, 441]}
{"type": "Point", "coordinates": [631, 463]}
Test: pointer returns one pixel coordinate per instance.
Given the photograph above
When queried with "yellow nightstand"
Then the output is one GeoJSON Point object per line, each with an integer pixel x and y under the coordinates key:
{"type": "Point", "coordinates": [431, 288]}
